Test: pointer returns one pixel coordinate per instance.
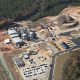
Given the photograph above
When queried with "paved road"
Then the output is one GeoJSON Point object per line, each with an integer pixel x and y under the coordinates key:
{"type": "Point", "coordinates": [51, 75]}
{"type": "Point", "coordinates": [6, 67]}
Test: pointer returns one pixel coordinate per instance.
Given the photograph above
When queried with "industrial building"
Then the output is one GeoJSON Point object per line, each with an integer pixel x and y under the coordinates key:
{"type": "Point", "coordinates": [65, 45]}
{"type": "Point", "coordinates": [15, 37]}
{"type": "Point", "coordinates": [43, 43]}
{"type": "Point", "coordinates": [25, 56]}
{"type": "Point", "coordinates": [27, 34]}
{"type": "Point", "coordinates": [23, 33]}
{"type": "Point", "coordinates": [17, 41]}
{"type": "Point", "coordinates": [66, 21]}
{"type": "Point", "coordinates": [19, 62]}
{"type": "Point", "coordinates": [7, 41]}
{"type": "Point", "coordinates": [32, 36]}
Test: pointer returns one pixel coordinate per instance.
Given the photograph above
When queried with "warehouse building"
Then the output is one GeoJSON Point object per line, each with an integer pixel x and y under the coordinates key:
{"type": "Point", "coordinates": [19, 62]}
{"type": "Point", "coordinates": [15, 37]}
{"type": "Point", "coordinates": [17, 41]}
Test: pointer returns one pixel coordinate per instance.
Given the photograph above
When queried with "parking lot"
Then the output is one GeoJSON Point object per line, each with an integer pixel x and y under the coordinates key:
{"type": "Point", "coordinates": [35, 70]}
{"type": "Point", "coordinates": [36, 67]}
{"type": "Point", "coordinates": [69, 43]}
{"type": "Point", "coordinates": [76, 41]}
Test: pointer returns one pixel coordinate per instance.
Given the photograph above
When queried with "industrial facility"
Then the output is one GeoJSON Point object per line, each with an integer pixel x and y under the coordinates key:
{"type": "Point", "coordinates": [18, 36]}
{"type": "Point", "coordinates": [35, 47]}
{"type": "Point", "coordinates": [19, 62]}
{"type": "Point", "coordinates": [66, 21]}
{"type": "Point", "coordinates": [15, 37]}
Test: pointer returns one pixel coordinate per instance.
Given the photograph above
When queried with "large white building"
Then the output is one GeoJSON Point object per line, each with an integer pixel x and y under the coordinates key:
{"type": "Point", "coordinates": [15, 37]}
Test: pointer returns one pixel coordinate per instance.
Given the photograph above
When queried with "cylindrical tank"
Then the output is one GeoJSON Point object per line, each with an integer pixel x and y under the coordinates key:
{"type": "Point", "coordinates": [32, 35]}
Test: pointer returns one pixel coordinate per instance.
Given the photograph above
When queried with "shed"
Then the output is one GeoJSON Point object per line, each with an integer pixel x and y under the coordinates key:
{"type": "Point", "coordinates": [26, 56]}
{"type": "Point", "coordinates": [32, 52]}
{"type": "Point", "coordinates": [7, 41]}
{"type": "Point", "coordinates": [65, 45]}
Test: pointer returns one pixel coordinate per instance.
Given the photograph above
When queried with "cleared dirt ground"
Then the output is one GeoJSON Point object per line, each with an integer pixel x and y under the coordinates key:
{"type": "Point", "coordinates": [11, 65]}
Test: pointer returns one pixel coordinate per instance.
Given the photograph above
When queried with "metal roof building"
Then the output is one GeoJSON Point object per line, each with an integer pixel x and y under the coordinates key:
{"type": "Point", "coordinates": [15, 37]}
{"type": "Point", "coordinates": [19, 62]}
{"type": "Point", "coordinates": [12, 31]}
{"type": "Point", "coordinates": [7, 41]}
{"type": "Point", "coordinates": [26, 56]}
{"type": "Point", "coordinates": [17, 40]}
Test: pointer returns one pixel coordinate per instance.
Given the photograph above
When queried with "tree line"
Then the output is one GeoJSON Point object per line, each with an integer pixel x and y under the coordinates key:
{"type": "Point", "coordinates": [71, 69]}
{"type": "Point", "coordinates": [33, 9]}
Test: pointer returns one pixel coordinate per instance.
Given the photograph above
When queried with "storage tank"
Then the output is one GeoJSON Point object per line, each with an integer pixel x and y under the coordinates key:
{"type": "Point", "coordinates": [23, 33]}
{"type": "Point", "coordinates": [32, 36]}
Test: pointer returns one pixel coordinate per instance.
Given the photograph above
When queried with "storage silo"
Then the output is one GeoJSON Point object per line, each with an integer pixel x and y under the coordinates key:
{"type": "Point", "coordinates": [32, 35]}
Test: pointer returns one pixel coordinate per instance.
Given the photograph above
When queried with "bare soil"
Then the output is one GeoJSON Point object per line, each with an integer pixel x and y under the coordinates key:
{"type": "Point", "coordinates": [60, 60]}
{"type": "Point", "coordinates": [11, 65]}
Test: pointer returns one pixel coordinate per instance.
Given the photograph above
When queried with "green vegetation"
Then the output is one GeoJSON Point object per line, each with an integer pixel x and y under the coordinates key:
{"type": "Point", "coordinates": [33, 9]}
{"type": "Point", "coordinates": [4, 75]}
{"type": "Point", "coordinates": [71, 69]}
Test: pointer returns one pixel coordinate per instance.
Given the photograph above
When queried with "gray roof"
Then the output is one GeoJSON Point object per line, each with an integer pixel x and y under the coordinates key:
{"type": "Point", "coordinates": [18, 61]}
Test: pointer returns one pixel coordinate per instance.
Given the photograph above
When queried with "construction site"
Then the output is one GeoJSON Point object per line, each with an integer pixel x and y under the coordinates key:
{"type": "Point", "coordinates": [30, 51]}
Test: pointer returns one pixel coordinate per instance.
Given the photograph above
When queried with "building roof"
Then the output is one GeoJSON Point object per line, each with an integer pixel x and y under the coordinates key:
{"type": "Point", "coordinates": [17, 40]}
{"type": "Point", "coordinates": [65, 19]}
{"type": "Point", "coordinates": [14, 35]}
{"type": "Point", "coordinates": [19, 62]}
{"type": "Point", "coordinates": [12, 31]}
{"type": "Point", "coordinates": [6, 41]}
{"type": "Point", "coordinates": [26, 56]}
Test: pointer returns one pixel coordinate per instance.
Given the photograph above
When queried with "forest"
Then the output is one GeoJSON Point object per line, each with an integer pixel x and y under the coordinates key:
{"type": "Point", "coordinates": [71, 69]}
{"type": "Point", "coordinates": [32, 9]}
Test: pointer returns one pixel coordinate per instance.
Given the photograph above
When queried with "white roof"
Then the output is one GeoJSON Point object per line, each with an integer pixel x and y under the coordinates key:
{"type": "Point", "coordinates": [31, 33]}
{"type": "Point", "coordinates": [6, 41]}
{"type": "Point", "coordinates": [25, 56]}
{"type": "Point", "coordinates": [14, 35]}
{"type": "Point", "coordinates": [16, 40]}
{"type": "Point", "coordinates": [12, 31]}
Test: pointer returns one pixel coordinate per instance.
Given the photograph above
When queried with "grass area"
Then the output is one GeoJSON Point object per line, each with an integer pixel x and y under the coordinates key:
{"type": "Point", "coordinates": [3, 73]}
{"type": "Point", "coordinates": [67, 66]}
{"type": "Point", "coordinates": [71, 68]}
{"type": "Point", "coordinates": [60, 60]}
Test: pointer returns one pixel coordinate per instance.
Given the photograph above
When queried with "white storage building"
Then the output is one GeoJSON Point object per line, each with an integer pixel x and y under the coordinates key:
{"type": "Point", "coordinates": [15, 37]}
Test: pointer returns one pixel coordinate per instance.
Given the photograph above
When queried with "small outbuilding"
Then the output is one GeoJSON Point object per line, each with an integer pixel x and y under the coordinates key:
{"type": "Point", "coordinates": [7, 41]}
{"type": "Point", "coordinates": [25, 56]}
